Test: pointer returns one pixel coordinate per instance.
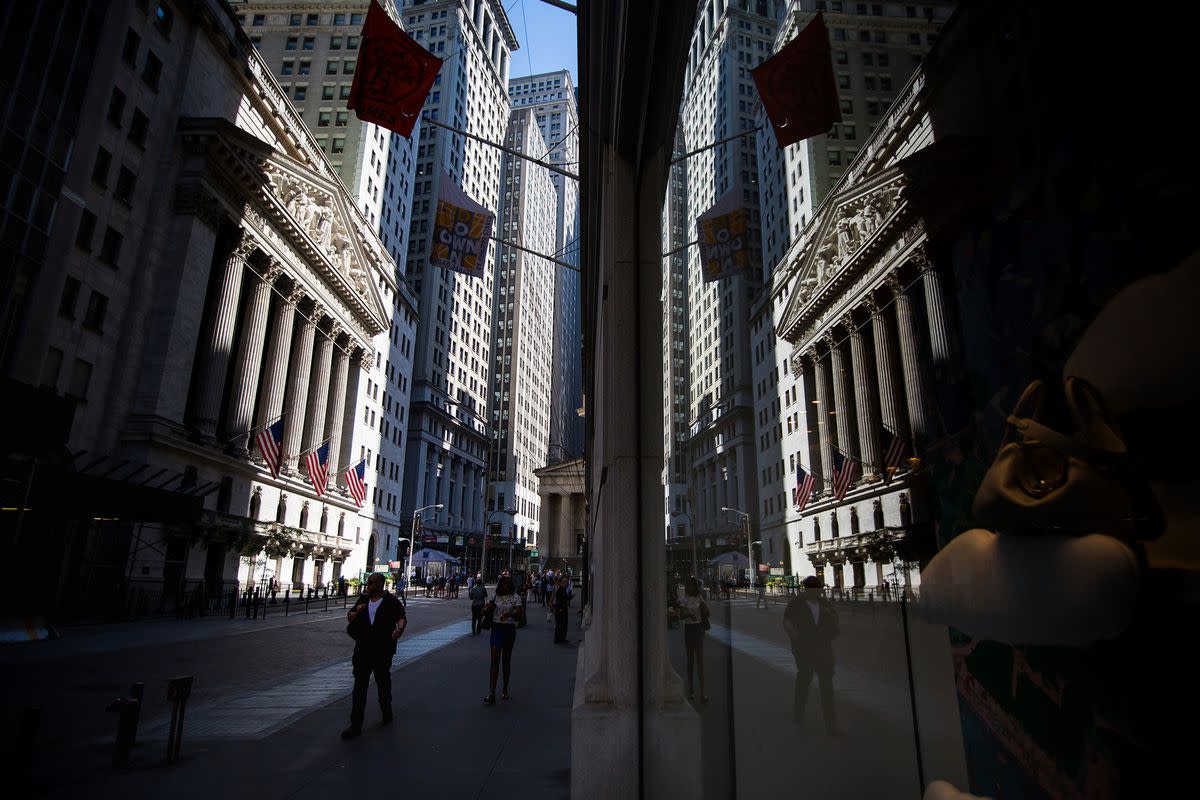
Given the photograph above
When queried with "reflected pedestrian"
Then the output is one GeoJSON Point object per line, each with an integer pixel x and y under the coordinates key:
{"type": "Point", "coordinates": [812, 624]}
{"type": "Point", "coordinates": [693, 612]}
{"type": "Point", "coordinates": [376, 622]}
{"type": "Point", "coordinates": [506, 611]}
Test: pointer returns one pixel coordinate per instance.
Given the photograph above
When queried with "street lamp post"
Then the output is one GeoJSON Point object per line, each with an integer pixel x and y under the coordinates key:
{"type": "Point", "coordinates": [412, 539]}
{"type": "Point", "coordinates": [487, 534]}
{"type": "Point", "coordinates": [692, 536]}
{"type": "Point", "coordinates": [749, 544]}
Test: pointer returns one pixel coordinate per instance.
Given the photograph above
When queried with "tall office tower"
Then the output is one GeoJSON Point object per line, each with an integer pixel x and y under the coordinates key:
{"type": "Point", "coordinates": [313, 53]}
{"type": "Point", "coordinates": [675, 236]}
{"type": "Point", "coordinates": [522, 328]}
{"type": "Point", "coordinates": [719, 98]}
{"type": "Point", "coordinates": [876, 47]}
{"type": "Point", "coordinates": [448, 431]}
{"type": "Point", "coordinates": [551, 96]}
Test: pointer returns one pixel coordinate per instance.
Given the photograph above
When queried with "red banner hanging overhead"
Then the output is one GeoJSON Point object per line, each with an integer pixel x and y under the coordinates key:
{"type": "Point", "coordinates": [797, 87]}
{"type": "Point", "coordinates": [394, 74]}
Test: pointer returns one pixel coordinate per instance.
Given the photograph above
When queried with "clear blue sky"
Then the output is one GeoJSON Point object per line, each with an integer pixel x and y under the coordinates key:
{"type": "Point", "coordinates": [549, 44]}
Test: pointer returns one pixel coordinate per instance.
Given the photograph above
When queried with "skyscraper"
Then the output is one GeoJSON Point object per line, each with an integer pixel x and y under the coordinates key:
{"type": "Point", "coordinates": [552, 98]}
{"type": "Point", "coordinates": [523, 324]}
{"type": "Point", "coordinates": [313, 53]}
{"type": "Point", "coordinates": [719, 101]}
{"type": "Point", "coordinates": [676, 230]}
{"type": "Point", "coordinates": [448, 431]}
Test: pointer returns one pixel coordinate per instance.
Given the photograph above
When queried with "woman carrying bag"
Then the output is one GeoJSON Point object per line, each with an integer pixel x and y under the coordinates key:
{"type": "Point", "coordinates": [504, 611]}
{"type": "Point", "coordinates": [693, 611]}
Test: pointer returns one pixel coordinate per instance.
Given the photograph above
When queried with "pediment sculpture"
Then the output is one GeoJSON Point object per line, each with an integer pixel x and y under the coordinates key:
{"type": "Point", "coordinates": [855, 223]}
{"type": "Point", "coordinates": [315, 213]}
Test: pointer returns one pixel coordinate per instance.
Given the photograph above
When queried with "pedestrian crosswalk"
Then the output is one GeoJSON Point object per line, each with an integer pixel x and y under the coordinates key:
{"type": "Point", "coordinates": [259, 713]}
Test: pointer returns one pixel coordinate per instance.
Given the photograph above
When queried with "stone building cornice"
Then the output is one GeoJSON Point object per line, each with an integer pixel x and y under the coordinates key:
{"type": "Point", "coordinates": [305, 219]}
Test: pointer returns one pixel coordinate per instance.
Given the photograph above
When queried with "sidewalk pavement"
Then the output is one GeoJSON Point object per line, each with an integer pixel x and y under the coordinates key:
{"type": "Point", "coordinates": [443, 741]}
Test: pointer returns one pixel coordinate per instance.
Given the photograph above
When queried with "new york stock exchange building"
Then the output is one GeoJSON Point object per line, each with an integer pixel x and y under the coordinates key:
{"type": "Point", "coordinates": [244, 288]}
{"type": "Point", "coordinates": [867, 344]}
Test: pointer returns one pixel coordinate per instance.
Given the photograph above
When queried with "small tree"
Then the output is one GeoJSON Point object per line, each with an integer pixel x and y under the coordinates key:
{"type": "Point", "coordinates": [904, 548]}
{"type": "Point", "coordinates": [257, 552]}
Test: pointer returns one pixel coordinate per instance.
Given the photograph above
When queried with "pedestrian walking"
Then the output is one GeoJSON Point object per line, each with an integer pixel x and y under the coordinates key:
{"type": "Point", "coordinates": [428, 585]}
{"type": "Point", "coordinates": [562, 604]}
{"type": "Point", "coordinates": [693, 612]}
{"type": "Point", "coordinates": [760, 587]}
{"type": "Point", "coordinates": [478, 594]}
{"type": "Point", "coordinates": [506, 611]}
{"type": "Point", "coordinates": [812, 624]}
{"type": "Point", "coordinates": [375, 623]}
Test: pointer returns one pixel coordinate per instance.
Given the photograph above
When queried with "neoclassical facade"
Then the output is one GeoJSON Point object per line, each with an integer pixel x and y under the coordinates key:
{"type": "Point", "coordinates": [230, 280]}
{"type": "Point", "coordinates": [866, 326]}
{"type": "Point", "coordinates": [286, 329]}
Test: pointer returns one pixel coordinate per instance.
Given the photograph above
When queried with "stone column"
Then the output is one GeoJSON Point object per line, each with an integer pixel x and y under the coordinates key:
{"type": "Point", "coordinates": [864, 395]}
{"type": "Point", "coordinates": [935, 309]}
{"type": "Point", "coordinates": [270, 406]}
{"type": "Point", "coordinates": [318, 389]}
{"type": "Point", "coordinates": [216, 348]}
{"type": "Point", "coordinates": [885, 357]}
{"type": "Point", "coordinates": [824, 419]}
{"type": "Point", "coordinates": [910, 359]}
{"type": "Point", "coordinates": [336, 408]}
{"type": "Point", "coordinates": [841, 396]}
{"type": "Point", "coordinates": [244, 388]}
{"type": "Point", "coordinates": [297, 387]}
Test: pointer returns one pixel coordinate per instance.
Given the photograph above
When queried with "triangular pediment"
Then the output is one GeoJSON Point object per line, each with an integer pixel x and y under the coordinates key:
{"type": "Point", "coordinates": [317, 220]}
{"type": "Point", "coordinates": [855, 223]}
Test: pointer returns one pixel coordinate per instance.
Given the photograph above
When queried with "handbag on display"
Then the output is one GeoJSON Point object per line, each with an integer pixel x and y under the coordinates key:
{"type": "Point", "coordinates": [1043, 480]}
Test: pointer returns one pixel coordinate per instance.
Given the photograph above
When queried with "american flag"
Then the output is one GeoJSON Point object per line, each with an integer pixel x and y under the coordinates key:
{"type": "Point", "coordinates": [894, 454]}
{"type": "Point", "coordinates": [270, 442]}
{"type": "Point", "coordinates": [845, 470]}
{"type": "Point", "coordinates": [804, 488]}
{"type": "Point", "coordinates": [318, 467]}
{"type": "Point", "coordinates": [354, 482]}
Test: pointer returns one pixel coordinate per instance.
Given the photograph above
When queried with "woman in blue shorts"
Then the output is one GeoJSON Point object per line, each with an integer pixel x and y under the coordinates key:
{"type": "Point", "coordinates": [506, 610]}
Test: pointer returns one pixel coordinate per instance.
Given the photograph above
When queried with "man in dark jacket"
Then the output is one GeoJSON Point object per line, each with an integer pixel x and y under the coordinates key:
{"type": "Point", "coordinates": [562, 602]}
{"type": "Point", "coordinates": [376, 622]}
{"type": "Point", "coordinates": [812, 624]}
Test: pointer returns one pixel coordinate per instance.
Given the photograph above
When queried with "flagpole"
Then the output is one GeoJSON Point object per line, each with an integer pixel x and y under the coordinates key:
{"type": "Point", "coordinates": [681, 248]}
{"type": "Point", "coordinates": [536, 253]}
{"type": "Point", "coordinates": [717, 143]}
{"type": "Point", "coordinates": [502, 148]}
{"type": "Point", "coordinates": [257, 428]}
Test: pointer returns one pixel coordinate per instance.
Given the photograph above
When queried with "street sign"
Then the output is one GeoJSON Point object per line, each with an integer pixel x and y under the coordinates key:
{"type": "Point", "coordinates": [395, 564]}
{"type": "Point", "coordinates": [763, 567]}
{"type": "Point", "coordinates": [776, 570]}
{"type": "Point", "coordinates": [381, 568]}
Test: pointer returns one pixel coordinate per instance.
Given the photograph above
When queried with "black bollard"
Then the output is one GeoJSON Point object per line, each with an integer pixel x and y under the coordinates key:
{"type": "Point", "coordinates": [178, 691]}
{"type": "Point", "coordinates": [128, 710]}
{"type": "Point", "coordinates": [286, 603]}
